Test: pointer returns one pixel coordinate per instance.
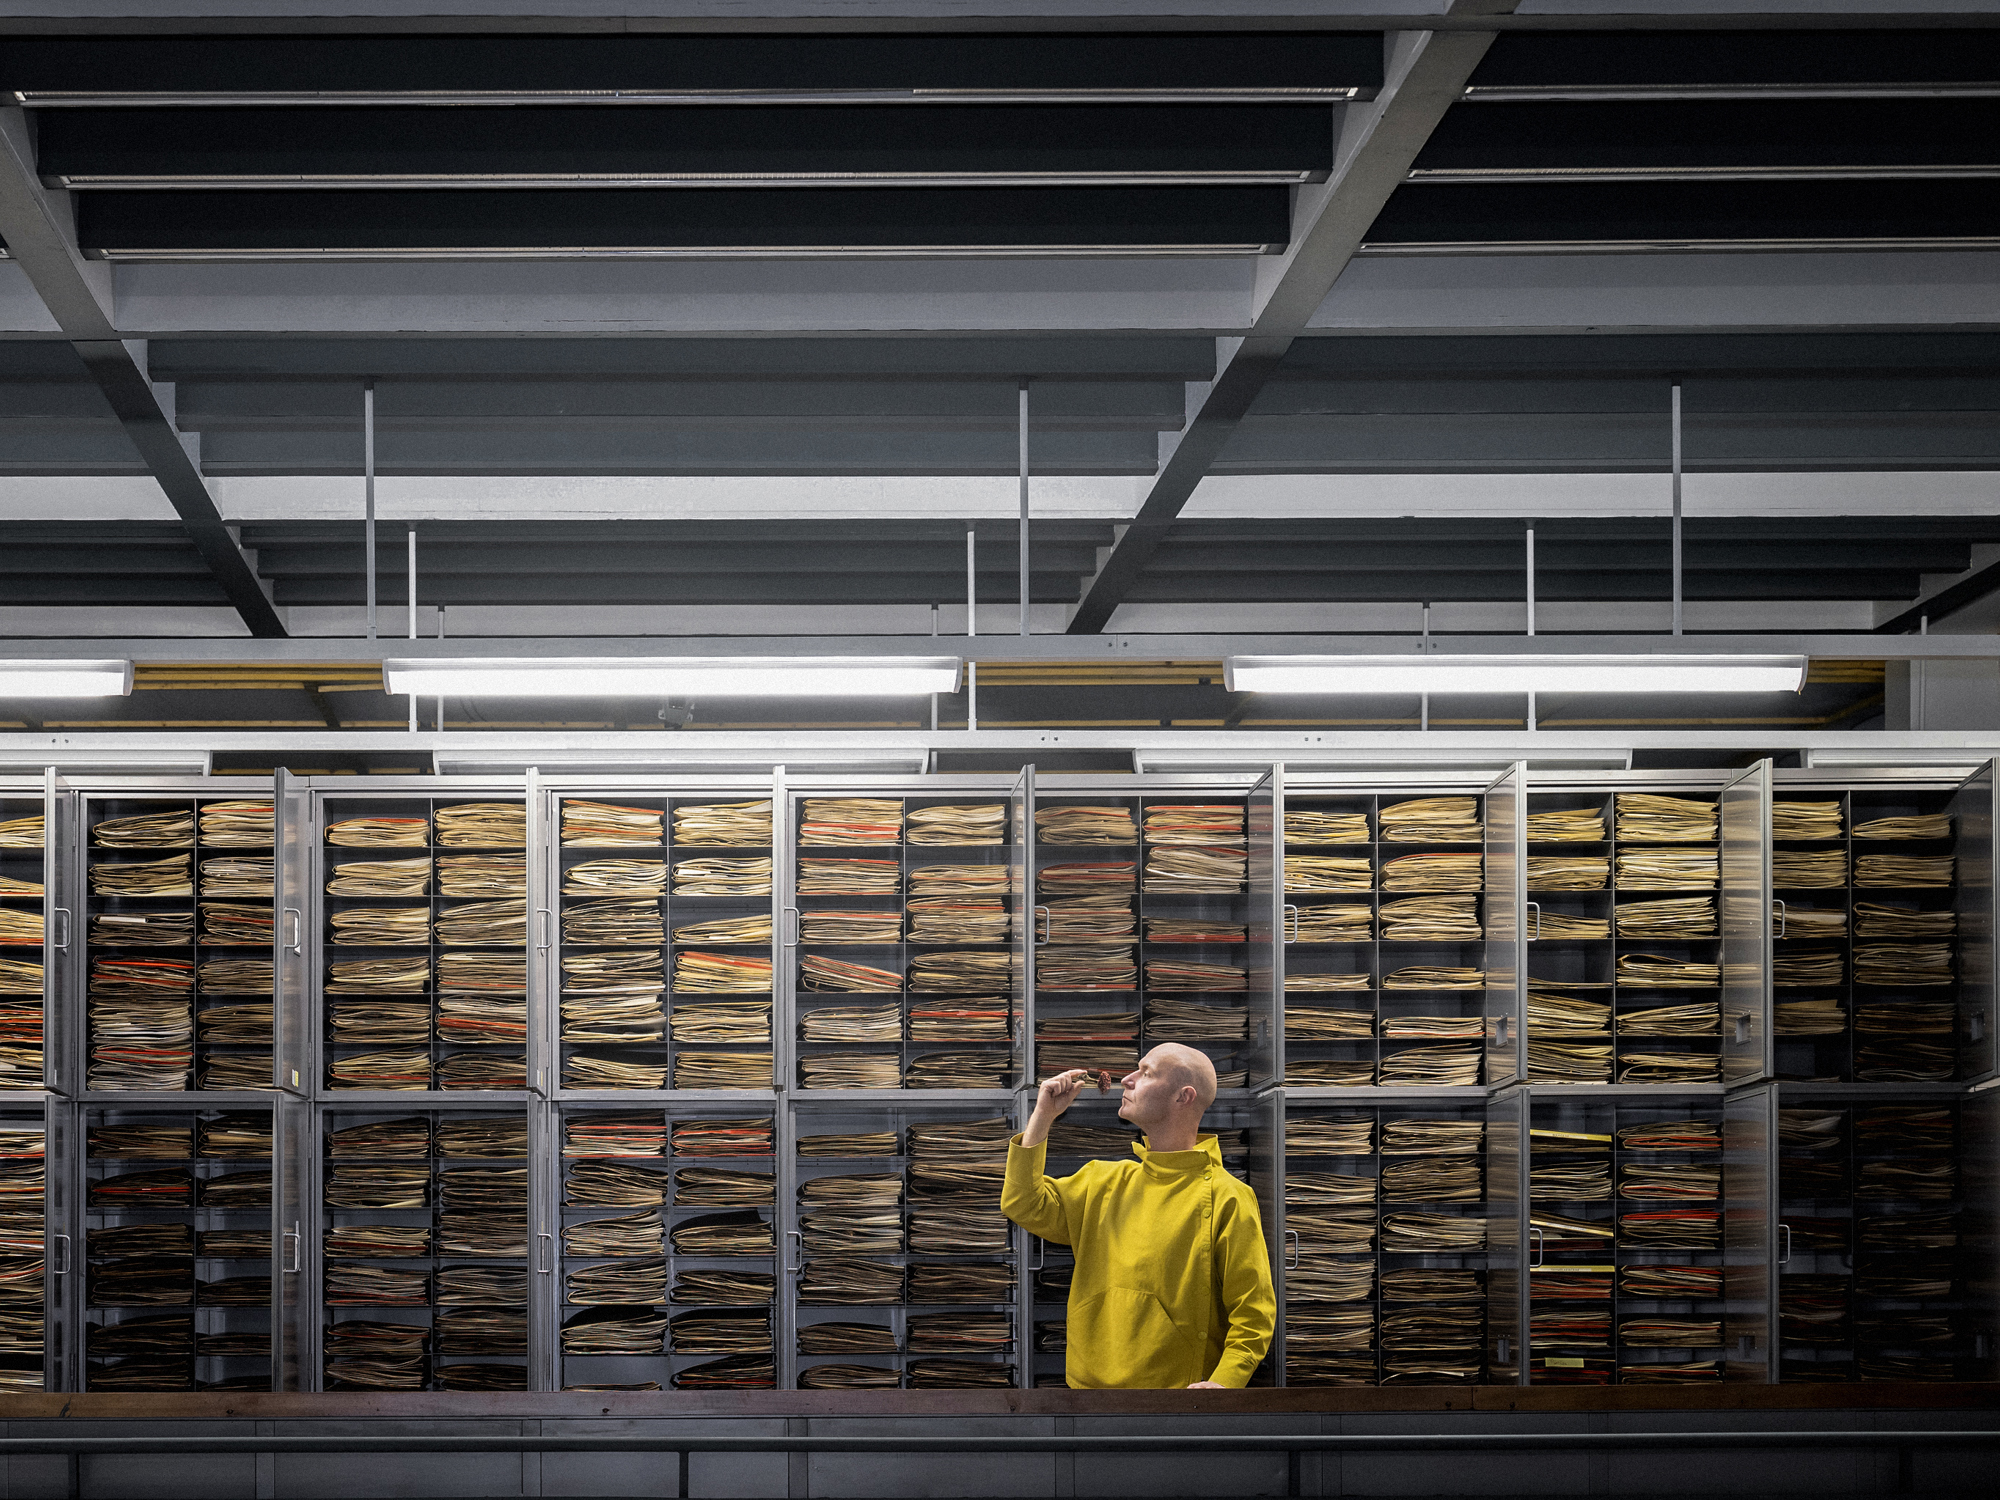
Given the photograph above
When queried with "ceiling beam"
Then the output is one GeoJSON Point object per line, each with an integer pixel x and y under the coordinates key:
{"type": "Point", "coordinates": [1426, 73]}
{"type": "Point", "coordinates": [39, 228]}
{"type": "Point", "coordinates": [1979, 584]}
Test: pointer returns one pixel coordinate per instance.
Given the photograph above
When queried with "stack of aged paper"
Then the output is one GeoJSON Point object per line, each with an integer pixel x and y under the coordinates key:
{"type": "Point", "coordinates": [1325, 1024]}
{"type": "Point", "coordinates": [172, 876]}
{"type": "Point", "coordinates": [598, 823]}
{"type": "Point", "coordinates": [1192, 823]}
{"type": "Point", "coordinates": [1567, 1062]}
{"type": "Point", "coordinates": [1185, 1021]}
{"type": "Point", "coordinates": [698, 973]}
{"type": "Point", "coordinates": [1085, 825]}
{"type": "Point", "coordinates": [1805, 820]}
{"type": "Point", "coordinates": [1431, 919]}
{"type": "Point", "coordinates": [482, 825]}
{"type": "Point", "coordinates": [1202, 871]}
{"type": "Point", "coordinates": [724, 877]}
{"type": "Point", "coordinates": [1813, 967]}
{"type": "Point", "coordinates": [722, 1021]}
{"type": "Point", "coordinates": [1878, 920]}
{"type": "Point", "coordinates": [616, 877]}
{"type": "Point", "coordinates": [1433, 872]}
{"type": "Point", "coordinates": [141, 1017]}
{"type": "Point", "coordinates": [1307, 826]}
{"type": "Point", "coordinates": [974, 1018]}
{"type": "Point", "coordinates": [723, 824]}
{"type": "Point", "coordinates": [643, 1133]}
{"type": "Point", "coordinates": [1808, 869]}
{"type": "Point", "coordinates": [1816, 1017]}
{"type": "Point", "coordinates": [235, 924]}
{"type": "Point", "coordinates": [1918, 826]}
{"type": "Point", "coordinates": [131, 929]}
{"type": "Point", "coordinates": [613, 919]}
{"type": "Point", "coordinates": [22, 833]}
{"type": "Point", "coordinates": [953, 972]}
{"type": "Point", "coordinates": [1433, 977]}
{"type": "Point", "coordinates": [483, 875]}
{"type": "Point", "coordinates": [1087, 969]}
{"type": "Point", "coordinates": [381, 926]}
{"type": "Point", "coordinates": [851, 820]}
{"type": "Point", "coordinates": [959, 1070]}
{"type": "Point", "coordinates": [1672, 1020]}
{"type": "Point", "coordinates": [1581, 825]}
{"type": "Point", "coordinates": [755, 931]}
{"type": "Point", "coordinates": [975, 823]}
{"type": "Point", "coordinates": [848, 877]}
{"type": "Point", "coordinates": [496, 923]}
{"type": "Point", "coordinates": [1580, 872]}
{"type": "Point", "coordinates": [1172, 974]}
{"type": "Point", "coordinates": [1903, 965]}
{"type": "Point", "coordinates": [234, 875]}
{"type": "Point", "coordinates": [162, 830]}
{"type": "Point", "coordinates": [818, 972]}
{"type": "Point", "coordinates": [1445, 1066]}
{"type": "Point", "coordinates": [1194, 930]}
{"type": "Point", "coordinates": [236, 825]}
{"type": "Point", "coordinates": [851, 1070]}
{"type": "Point", "coordinates": [852, 1023]}
{"type": "Point", "coordinates": [1681, 917]}
{"type": "Point", "coordinates": [1646, 818]}
{"type": "Point", "coordinates": [951, 919]}
{"type": "Point", "coordinates": [850, 927]}
{"type": "Point", "coordinates": [1312, 873]}
{"type": "Point", "coordinates": [1088, 878]}
{"type": "Point", "coordinates": [722, 1070]}
{"type": "Point", "coordinates": [1667, 869]}
{"type": "Point", "coordinates": [1668, 1068]}
{"type": "Point", "coordinates": [1650, 971]}
{"type": "Point", "coordinates": [381, 877]}
{"type": "Point", "coordinates": [1904, 871]}
{"type": "Point", "coordinates": [1431, 820]}
{"type": "Point", "coordinates": [1348, 922]}
{"type": "Point", "coordinates": [1089, 919]}
{"type": "Point", "coordinates": [380, 833]}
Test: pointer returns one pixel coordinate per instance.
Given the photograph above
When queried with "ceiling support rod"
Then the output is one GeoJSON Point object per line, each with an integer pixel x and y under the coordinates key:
{"type": "Point", "coordinates": [971, 582]}
{"type": "Point", "coordinates": [1677, 507]}
{"type": "Point", "coordinates": [368, 505]}
{"type": "Point", "coordinates": [1024, 507]}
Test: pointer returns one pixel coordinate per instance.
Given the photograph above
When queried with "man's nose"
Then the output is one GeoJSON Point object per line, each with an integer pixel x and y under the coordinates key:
{"type": "Point", "coordinates": [1129, 1079]}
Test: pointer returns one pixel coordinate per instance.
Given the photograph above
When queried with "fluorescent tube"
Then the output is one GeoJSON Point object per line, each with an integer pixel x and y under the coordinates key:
{"type": "Point", "coordinates": [659, 676]}
{"type": "Point", "coordinates": [1428, 673]}
{"type": "Point", "coordinates": [65, 679]}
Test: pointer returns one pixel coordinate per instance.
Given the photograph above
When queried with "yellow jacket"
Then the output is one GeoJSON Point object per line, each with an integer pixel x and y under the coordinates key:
{"type": "Point", "coordinates": [1173, 1279]}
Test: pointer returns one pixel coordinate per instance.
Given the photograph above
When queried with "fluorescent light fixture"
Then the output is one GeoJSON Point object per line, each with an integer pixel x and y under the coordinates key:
{"type": "Point", "coordinates": [678, 676]}
{"type": "Point", "coordinates": [86, 760]}
{"type": "Point", "coordinates": [1427, 673]}
{"type": "Point", "coordinates": [682, 760]}
{"type": "Point", "coordinates": [65, 679]}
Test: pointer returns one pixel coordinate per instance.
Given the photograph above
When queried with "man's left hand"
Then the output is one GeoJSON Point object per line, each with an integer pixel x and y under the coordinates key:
{"type": "Point", "coordinates": [1207, 1385]}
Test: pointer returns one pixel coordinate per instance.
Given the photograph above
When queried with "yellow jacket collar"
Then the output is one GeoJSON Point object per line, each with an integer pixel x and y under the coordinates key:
{"type": "Point", "coordinates": [1205, 1155]}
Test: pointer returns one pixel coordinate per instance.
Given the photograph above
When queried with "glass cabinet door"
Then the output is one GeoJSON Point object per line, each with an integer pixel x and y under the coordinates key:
{"type": "Point", "coordinates": [1506, 898]}
{"type": "Point", "coordinates": [1264, 956]}
{"type": "Point", "coordinates": [291, 969]}
{"type": "Point", "coordinates": [1507, 1360]}
{"type": "Point", "coordinates": [1972, 821]}
{"type": "Point", "coordinates": [1745, 875]}
{"type": "Point", "coordinates": [1749, 1232]}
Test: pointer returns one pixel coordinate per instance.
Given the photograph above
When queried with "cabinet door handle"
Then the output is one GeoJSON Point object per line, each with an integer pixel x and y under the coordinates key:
{"type": "Point", "coordinates": [1536, 935]}
{"type": "Point", "coordinates": [1291, 922]}
{"type": "Point", "coordinates": [63, 1268]}
{"type": "Point", "coordinates": [61, 944]}
{"type": "Point", "coordinates": [799, 1247]}
{"type": "Point", "coordinates": [1291, 1249]}
{"type": "Point", "coordinates": [790, 935]}
{"type": "Point", "coordinates": [1785, 1255]}
{"type": "Point", "coordinates": [1044, 924]}
{"type": "Point", "coordinates": [295, 920]}
{"type": "Point", "coordinates": [545, 1268]}
{"type": "Point", "coordinates": [547, 939]}
{"type": "Point", "coordinates": [298, 1249]}
{"type": "Point", "coordinates": [1783, 917]}
{"type": "Point", "coordinates": [1535, 1248]}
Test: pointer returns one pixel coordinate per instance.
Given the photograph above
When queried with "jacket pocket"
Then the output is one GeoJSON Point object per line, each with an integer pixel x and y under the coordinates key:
{"type": "Point", "coordinates": [1125, 1339]}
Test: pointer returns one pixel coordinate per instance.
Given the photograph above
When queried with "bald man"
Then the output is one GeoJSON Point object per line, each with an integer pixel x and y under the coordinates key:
{"type": "Point", "coordinates": [1173, 1280]}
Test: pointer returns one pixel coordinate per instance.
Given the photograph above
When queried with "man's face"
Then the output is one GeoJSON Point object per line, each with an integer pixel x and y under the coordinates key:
{"type": "Point", "coordinates": [1149, 1092]}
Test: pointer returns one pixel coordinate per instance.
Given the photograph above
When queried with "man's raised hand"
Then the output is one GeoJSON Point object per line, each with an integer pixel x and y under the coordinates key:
{"type": "Point", "coordinates": [1055, 1096]}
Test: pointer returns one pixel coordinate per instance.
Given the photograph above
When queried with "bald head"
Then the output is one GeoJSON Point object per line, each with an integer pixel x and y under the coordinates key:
{"type": "Point", "coordinates": [1188, 1069]}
